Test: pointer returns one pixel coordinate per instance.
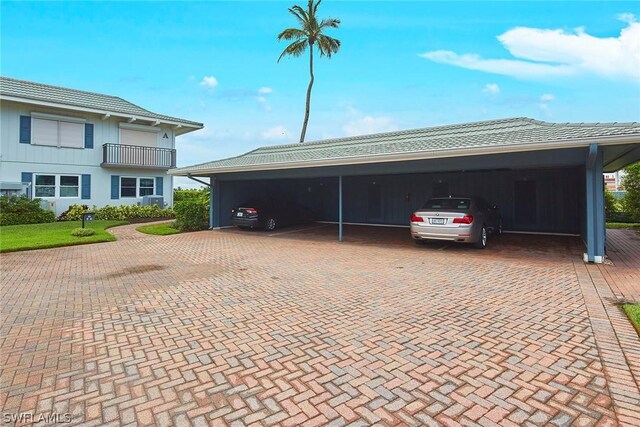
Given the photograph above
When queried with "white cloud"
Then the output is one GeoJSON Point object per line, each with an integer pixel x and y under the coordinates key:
{"type": "Point", "coordinates": [491, 88]}
{"type": "Point", "coordinates": [276, 133]}
{"type": "Point", "coordinates": [544, 103]}
{"type": "Point", "coordinates": [265, 90]}
{"type": "Point", "coordinates": [542, 53]}
{"type": "Point", "coordinates": [264, 103]}
{"type": "Point", "coordinates": [209, 82]}
{"type": "Point", "coordinates": [369, 124]}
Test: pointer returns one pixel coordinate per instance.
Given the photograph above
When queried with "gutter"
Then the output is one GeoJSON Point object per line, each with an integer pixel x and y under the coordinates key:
{"type": "Point", "coordinates": [415, 155]}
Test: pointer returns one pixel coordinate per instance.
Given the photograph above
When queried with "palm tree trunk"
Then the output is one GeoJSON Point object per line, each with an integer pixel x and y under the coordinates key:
{"type": "Point", "coordinates": [308, 106]}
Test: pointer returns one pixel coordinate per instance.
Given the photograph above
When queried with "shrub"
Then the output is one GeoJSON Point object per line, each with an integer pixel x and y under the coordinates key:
{"type": "Point", "coordinates": [16, 210]}
{"type": "Point", "coordinates": [631, 183]}
{"type": "Point", "coordinates": [74, 213]}
{"type": "Point", "coordinates": [180, 195]}
{"type": "Point", "coordinates": [611, 206]}
{"type": "Point", "coordinates": [191, 215]}
{"type": "Point", "coordinates": [125, 212]}
{"type": "Point", "coordinates": [83, 232]}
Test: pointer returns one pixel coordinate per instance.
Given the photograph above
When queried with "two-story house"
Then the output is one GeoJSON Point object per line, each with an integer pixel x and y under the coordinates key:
{"type": "Point", "coordinates": [69, 146]}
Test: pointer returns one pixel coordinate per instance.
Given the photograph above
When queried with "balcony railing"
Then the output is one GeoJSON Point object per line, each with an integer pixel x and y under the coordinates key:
{"type": "Point", "coordinates": [137, 156]}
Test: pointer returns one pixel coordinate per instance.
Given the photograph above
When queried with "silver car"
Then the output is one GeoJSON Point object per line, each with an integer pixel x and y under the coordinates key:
{"type": "Point", "coordinates": [457, 219]}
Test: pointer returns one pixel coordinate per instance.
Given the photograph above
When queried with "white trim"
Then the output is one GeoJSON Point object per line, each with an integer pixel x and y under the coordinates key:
{"type": "Point", "coordinates": [28, 101]}
{"type": "Point", "coordinates": [414, 155]}
{"type": "Point", "coordinates": [58, 117]}
{"type": "Point", "coordinates": [143, 128]}
{"type": "Point", "coordinates": [598, 259]}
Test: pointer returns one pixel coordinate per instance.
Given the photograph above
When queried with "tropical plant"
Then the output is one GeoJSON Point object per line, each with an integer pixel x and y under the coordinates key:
{"type": "Point", "coordinates": [309, 34]}
{"type": "Point", "coordinates": [21, 209]}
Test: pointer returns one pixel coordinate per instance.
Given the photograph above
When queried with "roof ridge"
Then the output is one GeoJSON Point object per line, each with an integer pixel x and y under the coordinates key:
{"type": "Point", "coordinates": [362, 138]}
{"type": "Point", "coordinates": [65, 88]}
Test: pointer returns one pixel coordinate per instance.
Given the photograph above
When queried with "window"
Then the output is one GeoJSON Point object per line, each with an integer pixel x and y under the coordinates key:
{"type": "Point", "coordinates": [447, 203]}
{"type": "Point", "coordinates": [45, 186]}
{"type": "Point", "coordinates": [69, 186]}
{"type": "Point", "coordinates": [139, 137]}
{"type": "Point", "coordinates": [146, 187]}
{"type": "Point", "coordinates": [57, 133]}
{"type": "Point", "coordinates": [128, 187]}
{"type": "Point", "coordinates": [54, 186]}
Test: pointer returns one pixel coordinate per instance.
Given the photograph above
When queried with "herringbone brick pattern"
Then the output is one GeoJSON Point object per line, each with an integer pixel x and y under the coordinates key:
{"type": "Point", "coordinates": [229, 328]}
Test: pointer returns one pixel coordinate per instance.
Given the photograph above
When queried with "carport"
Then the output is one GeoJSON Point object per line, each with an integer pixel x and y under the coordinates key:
{"type": "Point", "coordinates": [545, 177]}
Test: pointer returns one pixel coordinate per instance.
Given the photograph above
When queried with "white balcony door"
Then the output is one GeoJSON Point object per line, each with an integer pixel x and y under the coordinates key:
{"type": "Point", "coordinates": [138, 138]}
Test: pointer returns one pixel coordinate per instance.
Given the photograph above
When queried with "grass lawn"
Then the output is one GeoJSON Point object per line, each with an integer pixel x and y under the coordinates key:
{"type": "Point", "coordinates": [158, 229]}
{"type": "Point", "coordinates": [52, 235]}
{"type": "Point", "coordinates": [629, 225]}
{"type": "Point", "coordinates": [633, 312]}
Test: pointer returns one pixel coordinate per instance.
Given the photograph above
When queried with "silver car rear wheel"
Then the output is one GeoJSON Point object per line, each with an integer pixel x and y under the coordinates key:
{"type": "Point", "coordinates": [482, 240]}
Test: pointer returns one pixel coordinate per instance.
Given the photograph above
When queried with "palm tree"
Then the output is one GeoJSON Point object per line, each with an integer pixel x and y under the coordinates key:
{"type": "Point", "coordinates": [309, 34]}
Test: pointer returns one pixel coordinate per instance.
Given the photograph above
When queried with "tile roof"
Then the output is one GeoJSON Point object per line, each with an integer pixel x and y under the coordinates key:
{"type": "Point", "coordinates": [486, 134]}
{"type": "Point", "coordinates": [31, 91]}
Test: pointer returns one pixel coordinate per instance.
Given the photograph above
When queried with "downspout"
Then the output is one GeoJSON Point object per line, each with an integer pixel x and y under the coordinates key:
{"type": "Point", "coordinates": [211, 186]}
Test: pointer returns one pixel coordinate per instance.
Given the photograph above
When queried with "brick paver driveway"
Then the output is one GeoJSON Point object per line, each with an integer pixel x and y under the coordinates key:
{"type": "Point", "coordinates": [233, 327]}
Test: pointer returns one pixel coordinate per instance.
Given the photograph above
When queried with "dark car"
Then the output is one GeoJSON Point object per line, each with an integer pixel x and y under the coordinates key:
{"type": "Point", "coordinates": [269, 214]}
{"type": "Point", "coordinates": [457, 219]}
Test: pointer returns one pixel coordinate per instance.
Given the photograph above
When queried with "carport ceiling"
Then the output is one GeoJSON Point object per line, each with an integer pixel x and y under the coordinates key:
{"type": "Point", "coordinates": [469, 139]}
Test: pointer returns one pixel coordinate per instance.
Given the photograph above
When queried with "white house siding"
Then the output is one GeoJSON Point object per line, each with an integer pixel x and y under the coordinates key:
{"type": "Point", "coordinates": [16, 158]}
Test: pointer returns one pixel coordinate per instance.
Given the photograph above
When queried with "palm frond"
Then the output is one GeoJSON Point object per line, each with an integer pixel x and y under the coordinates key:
{"type": "Point", "coordinates": [314, 7]}
{"type": "Point", "coordinates": [329, 23]}
{"type": "Point", "coordinates": [301, 15]}
{"type": "Point", "coordinates": [296, 48]}
{"type": "Point", "coordinates": [291, 34]}
{"type": "Point", "coordinates": [327, 45]}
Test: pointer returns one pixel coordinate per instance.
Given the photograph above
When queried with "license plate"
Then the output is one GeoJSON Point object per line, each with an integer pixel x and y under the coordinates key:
{"type": "Point", "coordinates": [439, 221]}
{"type": "Point", "coordinates": [239, 214]}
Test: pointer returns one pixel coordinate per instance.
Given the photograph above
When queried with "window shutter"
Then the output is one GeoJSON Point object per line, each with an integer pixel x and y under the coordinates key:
{"type": "Point", "coordinates": [25, 130]}
{"type": "Point", "coordinates": [115, 187]}
{"type": "Point", "coordinates": [159, 189]}
{"type": "Point", "coordinates": [86, 187]}
{"type": "Point", "coordinates": [88, 135]}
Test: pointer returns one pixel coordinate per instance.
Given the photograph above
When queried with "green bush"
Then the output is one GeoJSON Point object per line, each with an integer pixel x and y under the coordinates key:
{"type": "Point", "coordinates": [15, 210]}
{"type": "Point", "coordinates": [74, 213]}
{"type": "Point", "coordinates": [83, 232]}
{"type": "Point", "coordinates": [125, 212]}
{"type": "Point", "coordinates": [180, 195]}
{"type": "Point", "coordinates": [631, 183]}
{"type": "Point", "coordinates": [612, 207]}
{"type": "Point", "coordinates": [191, 215]}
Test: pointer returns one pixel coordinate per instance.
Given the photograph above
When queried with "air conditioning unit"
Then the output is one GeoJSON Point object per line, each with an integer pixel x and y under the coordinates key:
{"type": "Point", "coordinates": [153, 200]}
{"type": "Point", "coordinates": [48, 205]}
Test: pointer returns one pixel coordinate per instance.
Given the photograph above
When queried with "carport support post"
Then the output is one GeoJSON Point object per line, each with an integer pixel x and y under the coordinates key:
{"type": "Point", "coordinates": [595, 206]}
{"type": "Point", "coordinates": [340, 208]}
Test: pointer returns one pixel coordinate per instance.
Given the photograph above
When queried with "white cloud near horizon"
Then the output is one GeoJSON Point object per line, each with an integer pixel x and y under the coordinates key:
{"type": "Point", "coordinates": [210, 82]}
{"type": "Point", "coordinates": [544, 104]}
{"type": "Point", "coordinates": [491, 89]}
{"type": "Point", "coordinates": [542, 53]}
{"type": "Point", "coordinates": [265, 90]}
{"type": "Point", "coordinates": [368, 125]}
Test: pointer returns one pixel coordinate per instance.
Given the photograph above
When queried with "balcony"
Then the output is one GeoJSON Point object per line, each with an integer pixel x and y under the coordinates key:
{"type": "Point", "coordinates": [137, 156]}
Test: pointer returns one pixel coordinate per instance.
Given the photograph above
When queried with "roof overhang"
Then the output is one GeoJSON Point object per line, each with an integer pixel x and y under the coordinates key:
{"type": "Point", "coordinates": [417, 155]}
{"type": "Point", "coordinates": [179, 127]}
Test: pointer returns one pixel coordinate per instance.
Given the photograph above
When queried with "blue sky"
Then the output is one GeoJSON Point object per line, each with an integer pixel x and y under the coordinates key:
{"type": "Point", "coordinates": [402, 65]}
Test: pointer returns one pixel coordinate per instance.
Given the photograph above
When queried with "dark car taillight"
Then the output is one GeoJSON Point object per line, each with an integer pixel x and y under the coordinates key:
{"type": "Point", "coordinates": [416, 218]}
{"type": "Point", "coordinates": [467, 219]}
{"type": "Point", "coordinates": [251, 211]}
